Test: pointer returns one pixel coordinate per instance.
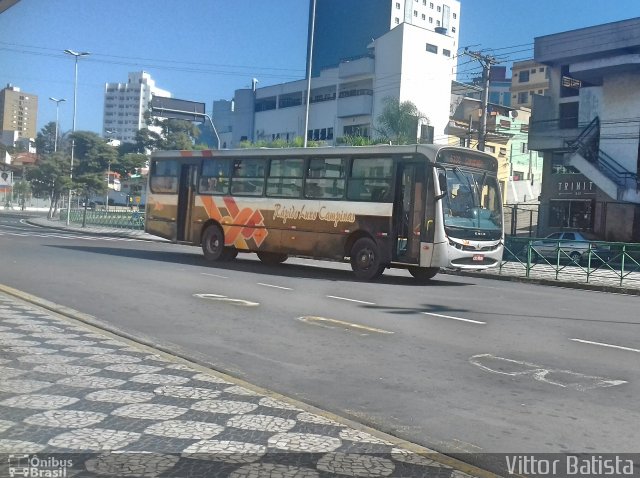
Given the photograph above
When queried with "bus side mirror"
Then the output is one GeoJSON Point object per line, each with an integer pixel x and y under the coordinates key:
{"type": "Point", "coordinates": [442, 181]}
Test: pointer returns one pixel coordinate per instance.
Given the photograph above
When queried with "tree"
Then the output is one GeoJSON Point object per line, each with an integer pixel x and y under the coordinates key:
{"type": "Point", "coordinates": [50, 178]}
{"type": "Point", "coordinates": [46, 139]}
{"type": "Point", "coordinates": [21, 189]}
{"type": "Point", "coordinates": [398, 122]}
{"type": "Point", "coordinates": [129, 164]}
{"type": "Point", "coordinates": [93, 157]}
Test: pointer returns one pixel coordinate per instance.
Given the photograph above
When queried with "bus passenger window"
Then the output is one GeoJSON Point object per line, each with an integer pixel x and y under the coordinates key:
{"type": "Point", "coordinates": [325, 179]}
{"type": "Point", "coordinates": [164, 177]}
{"type": "Point", "coordinates": [370, 180]}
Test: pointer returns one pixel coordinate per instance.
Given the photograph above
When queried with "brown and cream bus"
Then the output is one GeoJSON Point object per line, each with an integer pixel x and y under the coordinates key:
{"type": "Point", "coordinates": [419, 207]}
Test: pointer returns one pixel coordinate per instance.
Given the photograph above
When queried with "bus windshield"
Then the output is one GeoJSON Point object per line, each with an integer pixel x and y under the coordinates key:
{"type": "Point", "coordinates": [472, 200]}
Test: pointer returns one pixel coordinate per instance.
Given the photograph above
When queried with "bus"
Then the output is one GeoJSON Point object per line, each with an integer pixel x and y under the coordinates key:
{"type": "Point", "coordinates": [418, 207]}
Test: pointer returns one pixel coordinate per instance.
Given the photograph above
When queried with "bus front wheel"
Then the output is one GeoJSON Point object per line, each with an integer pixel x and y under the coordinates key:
{"type": "Point", "coordinates": [271, 258]}
{"type": "Point", "coordinates": [365, 259]}
{"type": "Point", "coordinates": [423, 274]}
{"type": "Point", "coordinates": [213, 245]}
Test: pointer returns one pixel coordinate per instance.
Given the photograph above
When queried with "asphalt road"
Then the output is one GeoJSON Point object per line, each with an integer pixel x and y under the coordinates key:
{"type": "Point", "coordinates": [466, 366]}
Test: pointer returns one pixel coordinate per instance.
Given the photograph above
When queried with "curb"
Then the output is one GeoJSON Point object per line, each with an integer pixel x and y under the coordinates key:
{"type": "Point", "coordinates": [93, 232]}
{"type": "Point", "coordinates": [177, 355]}
{"type": "Point", "coordinates": [548, 282]}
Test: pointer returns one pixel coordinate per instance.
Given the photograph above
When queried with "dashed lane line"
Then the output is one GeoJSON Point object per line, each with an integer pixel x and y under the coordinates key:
{"type": "Point", "coordinates": [477, 322]}
{"type": "Point", "coordinates": [214, 275]}
{"type": "Point", "coordinates": [274, 286]}
{"type": "Point", "coordinates": [350, 300]}
{"type": "Point", "coordinates": [334, 323]}
{"type": "Point", "coordinates": [601, 344]}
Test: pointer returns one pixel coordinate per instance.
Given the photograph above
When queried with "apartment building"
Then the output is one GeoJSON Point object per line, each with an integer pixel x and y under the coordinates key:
{"type": "Point", "coordinates": [588, 128]}
{"type": "Point", "coordinates": [344, 29]}
{"type": "Point", "coordinates": [18, 115]}
{"type": "Point", "coordinates": [125, 105]}
{"type": "Point", "coordinates": [528, 78]}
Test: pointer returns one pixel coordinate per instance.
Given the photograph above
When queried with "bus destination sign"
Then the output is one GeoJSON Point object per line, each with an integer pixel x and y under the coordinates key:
{"type": "Point", "coordinates": [463, 158]}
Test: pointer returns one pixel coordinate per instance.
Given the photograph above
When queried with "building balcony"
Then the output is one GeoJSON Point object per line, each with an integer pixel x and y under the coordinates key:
{"type": "Point", "coordinates": [547, 132]}
{"type": "Point", "coordinates": [355, 105]}
{"type": "Point", "coordinates": [357, 67]}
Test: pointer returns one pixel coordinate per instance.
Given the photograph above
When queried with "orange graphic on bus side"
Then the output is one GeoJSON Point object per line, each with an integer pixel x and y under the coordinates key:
{"type": "Point", "coordinates": [240, 225]}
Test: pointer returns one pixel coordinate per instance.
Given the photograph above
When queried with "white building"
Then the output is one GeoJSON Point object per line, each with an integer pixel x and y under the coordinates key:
{"type": "Point", "coordinates": [125, 105]}
{"type": "Point", "coordinates": [409, 62]}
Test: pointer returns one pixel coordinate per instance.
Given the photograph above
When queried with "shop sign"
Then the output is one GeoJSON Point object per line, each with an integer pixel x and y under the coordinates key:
{"type": "Point", "coordinates": [576, 188]}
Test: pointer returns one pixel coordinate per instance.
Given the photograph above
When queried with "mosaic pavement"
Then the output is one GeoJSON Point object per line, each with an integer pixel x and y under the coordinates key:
{"type": "Point", "coordinates": [81, 403]}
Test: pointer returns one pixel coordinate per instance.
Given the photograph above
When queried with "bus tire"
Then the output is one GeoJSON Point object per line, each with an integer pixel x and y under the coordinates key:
{"type": "Point", "coordinates": [365, 259]}
{"type": "Point", "coordinates": [213, 244]}
{"type": "Point", "coordinates": [423, 274]}
{"type": "Point", "coordinates": [271, 258]}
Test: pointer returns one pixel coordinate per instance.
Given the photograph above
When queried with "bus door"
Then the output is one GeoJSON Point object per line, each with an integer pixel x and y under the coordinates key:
{"type": "Point", "coordinates": [186, 194]}
{"type": "Point", "coordinates": [408, 211]}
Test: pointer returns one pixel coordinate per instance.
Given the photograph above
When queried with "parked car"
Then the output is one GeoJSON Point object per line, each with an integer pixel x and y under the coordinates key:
{"type": "Point", "coordinates": [573, 246]}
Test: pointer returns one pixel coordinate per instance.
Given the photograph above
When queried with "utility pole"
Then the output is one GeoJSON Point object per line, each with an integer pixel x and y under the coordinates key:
{"type": "Point", "coordinates": [486, 61]}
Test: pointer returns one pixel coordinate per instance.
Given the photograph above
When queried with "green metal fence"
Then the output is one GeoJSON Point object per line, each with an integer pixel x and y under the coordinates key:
{"type": "Point", "coordinates": [605, 263]}
{"type": "Point", "coordinates": [126, 219]}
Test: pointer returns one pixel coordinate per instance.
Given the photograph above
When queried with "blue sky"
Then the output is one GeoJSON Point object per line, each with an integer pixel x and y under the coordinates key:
{"type": "Point", "coordinates": [203, 50]}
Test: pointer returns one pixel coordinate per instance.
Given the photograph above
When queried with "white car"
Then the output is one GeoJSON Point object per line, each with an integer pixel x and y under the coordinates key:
{"type": "Point", "coordinates": [573, 246]}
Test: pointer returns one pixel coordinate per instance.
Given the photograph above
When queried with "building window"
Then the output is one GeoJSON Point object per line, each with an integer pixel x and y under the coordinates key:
{"type": "Point", "coordinates": [439, 9]}
{"type": "Point", "coordinates": [438, 22]}
{"type": "Point", "coordinates": [397, 20]}
{"type": "Point", "coordinates": [415, 13]}
{"type": "Point", "coordinates": [431, 5]}
{"type": "Point", "coordinates": [569, 115]}
{"type": "Point", "coordinates": [432, 48]}
{"type": "Point", "coordinates": [523, 97]}
{"type": "Point", "coordinates": [541, 70]}
{"type": "Point", "coordinates": [398, 5]}
{"type": "Point", "coordinates": [424, 17]}
{"type": "Point", "coordinates": [455, 16]}
{"type": "Point", "coordinates": [446, 52]}
{"type": "Point", "coordinates": [430, 20]}
{"type": "Point", "coordinates": [523, 76]}
{"type": "Point", "coordinates": [453, 29]}
{"type": "Point", "coordinates": [573, 214]}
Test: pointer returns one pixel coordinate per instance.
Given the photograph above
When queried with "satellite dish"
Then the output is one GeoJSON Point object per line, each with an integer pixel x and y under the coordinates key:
{"type": "Point", "coordinates": [514, 114]}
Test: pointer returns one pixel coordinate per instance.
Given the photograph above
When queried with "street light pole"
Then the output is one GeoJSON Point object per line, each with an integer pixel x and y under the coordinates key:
{"type": "Point", "coordinates": [76, 55]}
{"type": "Point", "coordinates": [57, 102]}
{"type": "Point", "coordinates": [106, 200]}
{"type": "Point", "coordinates": [309, 63]}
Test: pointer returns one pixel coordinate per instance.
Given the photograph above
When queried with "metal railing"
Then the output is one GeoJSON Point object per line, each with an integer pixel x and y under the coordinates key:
{"type": "Point", "coordinates": [603, 263]}
{"type": "Point", "coordinates": [117, 219]}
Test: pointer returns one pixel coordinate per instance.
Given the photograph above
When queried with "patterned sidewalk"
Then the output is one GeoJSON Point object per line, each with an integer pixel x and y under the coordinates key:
{"type": "Point", "coordinates": [81, 401]}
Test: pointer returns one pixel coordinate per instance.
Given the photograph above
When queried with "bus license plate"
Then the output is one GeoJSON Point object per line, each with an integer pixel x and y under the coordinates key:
{"type": "Point", "coordinates": [478, 257]}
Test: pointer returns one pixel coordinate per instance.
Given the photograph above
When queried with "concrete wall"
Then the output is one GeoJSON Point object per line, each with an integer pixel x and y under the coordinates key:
{"type": "Point", "coordinates": [620, 126]}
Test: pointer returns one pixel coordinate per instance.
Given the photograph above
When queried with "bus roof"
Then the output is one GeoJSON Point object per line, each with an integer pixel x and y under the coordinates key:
{"type": "Point", "coordinates": [337, 150]}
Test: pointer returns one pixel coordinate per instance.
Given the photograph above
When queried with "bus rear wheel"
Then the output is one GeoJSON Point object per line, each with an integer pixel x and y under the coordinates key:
{"type": "Point", "coordinates": [423, 274]}
{"type": "Point", "coordinates": [213, 245]}
{"type": "Point", "coordinates": [365, 259]}
{"type": "Point", "coordinates": [272, 258]}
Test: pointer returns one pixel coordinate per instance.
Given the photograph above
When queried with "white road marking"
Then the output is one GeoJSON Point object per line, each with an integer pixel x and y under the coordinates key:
{"type": "Point", "coordinates": [333, 323]}
{"type": "Point", "coordinates": [224, 298]}
{"type": "Point", "coordinates": [275, 286]}
{"type": "Point", "coordinates": [455, 318]}
{"type": "Point", "coordinates": [214, 275]}
{"type": "Point", "coordinates": [619, 347]}
{"type": "Point", "coordinates": [575, 380]}
{"type": "Point", "coordinates": [350, 300]}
